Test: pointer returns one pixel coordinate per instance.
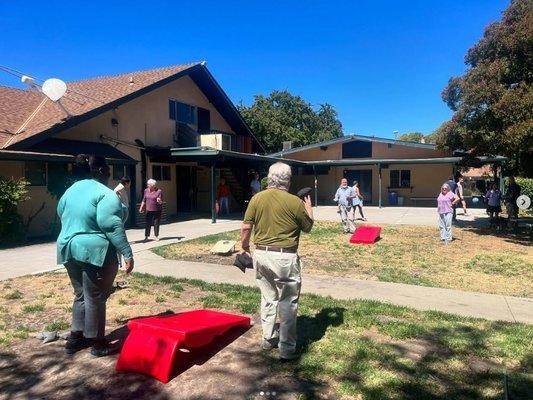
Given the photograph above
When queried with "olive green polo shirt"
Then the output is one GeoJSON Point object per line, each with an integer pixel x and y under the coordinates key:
{"type": "Point", "coordinates": [278, 218]}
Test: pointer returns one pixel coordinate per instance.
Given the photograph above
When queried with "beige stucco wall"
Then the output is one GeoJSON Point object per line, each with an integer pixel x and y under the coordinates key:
{"type": "Point", "coordinates": [42, 223]}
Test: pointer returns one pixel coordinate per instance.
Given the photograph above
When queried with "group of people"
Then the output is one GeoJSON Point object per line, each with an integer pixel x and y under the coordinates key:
{"type": "Point", "coordinates": [224, 193]}
{"type": "Point", "coordinates": [92, 235]}
{"type": "Point", "coordinates": [451, 195]}
{"type": "Point", "coordinates": [348, 198]}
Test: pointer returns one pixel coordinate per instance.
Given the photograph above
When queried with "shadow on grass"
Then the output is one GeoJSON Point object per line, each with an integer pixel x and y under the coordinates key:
{"type": "Point", "coordinates": [521, 234]}
{"type": "Point", "coordinates": [312, 329]}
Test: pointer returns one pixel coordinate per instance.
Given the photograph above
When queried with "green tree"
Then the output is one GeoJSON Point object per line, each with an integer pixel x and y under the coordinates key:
{"type": "Point", "coordinates": [493, 100]}
{"type": "Point", "coordinates": [12, 192]}
{"type": "Point", "coordinates": [412, 136]}
{"type": "Point", "coordinates": [281, 116]}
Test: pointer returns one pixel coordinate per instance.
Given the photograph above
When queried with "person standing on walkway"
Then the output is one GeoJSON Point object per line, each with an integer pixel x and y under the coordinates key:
{"type": "Point", "coordinates": [357, 201]}
{"type": "Point", "coordinates": [452, 184]}
{"type": "Point", "coordinates": [152, 203]}
{"type": "Point", "coordinates": [255, 184]}
{"type": "Point", "coordinates": [122, 190]}
{"type": "Point", "coordinates": [223, 194]}
{"type": "Point", "coordinates": [445, 202]}
{"type": "Point", "coordinates": [344, 197]}
{"type": "Point", "coordinates": [91, 234]}
{"type": "Point", "coordinates": [277, 218]}
{"type": "Point", "coordinates": [494, 202]}
{"type": "Point", "coordinates": [459, 193]}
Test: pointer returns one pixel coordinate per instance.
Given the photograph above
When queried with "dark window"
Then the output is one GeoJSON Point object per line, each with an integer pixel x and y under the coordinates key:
{"type": "Point", "coordinates": [161, 172]}
{"type": "Point", "coordinates": [35, 173]}
{"type": "Point", "coordinates": [182, 112]}
{"type": "Point", "coordinates": [204, 120]}
{"type": "Point", "coordinates": [357, 149]}
{"type": "Point", "coordinates": [319, 170]}
{"type": "Point", "coordinates": [119, 171]}
{"type": "Point", "coordinates": [400, 178]}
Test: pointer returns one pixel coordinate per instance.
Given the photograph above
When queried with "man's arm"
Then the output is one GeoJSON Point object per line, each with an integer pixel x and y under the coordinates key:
{"type": "Point", "coordinates": [246, 233]}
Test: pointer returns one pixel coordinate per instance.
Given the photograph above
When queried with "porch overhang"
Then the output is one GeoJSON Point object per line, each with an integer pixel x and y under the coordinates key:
{"type": "Point", "coordinates": [392, 161]}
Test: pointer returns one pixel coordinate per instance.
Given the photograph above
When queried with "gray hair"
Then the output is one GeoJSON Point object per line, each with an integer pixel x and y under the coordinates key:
{"type": "Point", "coordinates": [279, 176]}
{"type": "Point", "coordinates": [151, 182]}
{"type": "Point", "coordinates": [445, 185]}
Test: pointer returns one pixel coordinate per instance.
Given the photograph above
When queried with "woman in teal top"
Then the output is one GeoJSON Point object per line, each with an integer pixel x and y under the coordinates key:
{"type": "Point", "coordinates": [92, 232]}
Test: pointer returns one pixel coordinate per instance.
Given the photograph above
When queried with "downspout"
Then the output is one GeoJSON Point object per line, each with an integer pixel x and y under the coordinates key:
{"type": "Point", "coordinates": [379, 184]}
{"type": "Point", "coordinates": [316, 186]}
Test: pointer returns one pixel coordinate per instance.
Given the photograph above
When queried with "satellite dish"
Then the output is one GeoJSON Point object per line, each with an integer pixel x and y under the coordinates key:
{"type": "Point", "coordinates": [54, 88]}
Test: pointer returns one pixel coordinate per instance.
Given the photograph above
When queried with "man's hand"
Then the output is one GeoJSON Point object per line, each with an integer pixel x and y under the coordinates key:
{"type": "Point", "coordinates": [129, 265]}
{"type": "Point", "coordinates": [308, 206]}
{"type": "Point", "coordinates": [246, 232]}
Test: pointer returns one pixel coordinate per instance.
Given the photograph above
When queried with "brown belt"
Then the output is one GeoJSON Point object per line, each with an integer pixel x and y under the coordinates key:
{"type": "Point", "coordinates": [278, 249]}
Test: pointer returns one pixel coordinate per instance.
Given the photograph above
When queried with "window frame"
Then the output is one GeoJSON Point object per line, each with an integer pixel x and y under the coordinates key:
{"type": "Point", "coordinates": [161, 172]}
{"type": "Point", "coordinates": [400, 179]}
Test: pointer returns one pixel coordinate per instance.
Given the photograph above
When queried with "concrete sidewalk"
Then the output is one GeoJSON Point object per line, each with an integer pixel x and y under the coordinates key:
{"type": "Point", "coordinates": [34, 259]}
{"type": "Point", "coordinates": [469, 304]}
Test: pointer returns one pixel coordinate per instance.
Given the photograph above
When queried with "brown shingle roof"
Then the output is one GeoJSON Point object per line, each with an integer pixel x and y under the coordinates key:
{"type": "Point", "coordinates": [83, 96]}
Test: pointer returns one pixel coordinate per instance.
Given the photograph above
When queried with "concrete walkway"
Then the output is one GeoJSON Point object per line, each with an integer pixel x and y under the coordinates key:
{"type": "Point", "coordinates": [39, 258]}
{"type": "Point", "coordinates": [469, 304]}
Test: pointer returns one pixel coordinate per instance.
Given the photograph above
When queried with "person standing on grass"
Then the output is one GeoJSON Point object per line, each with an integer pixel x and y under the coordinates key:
{"type": "Point", "coordinates": [357, 201]}
{"type": "Point", "coordinates": [511, 196]}
{"type": "Point", "coordinates": [460, 194]}
{"type": "Point", "coordinates": [494, 202]}
{"type": "Point", "coordinates": [445, 202]}
{"type": "Point", "coordinates": [344, 196]}
{"type": "Point", "coordinates": [152, 203]}
{"type": "Point", "coordinates": [92, 233]}
{"type": "Point", "coordinates": [277, 218]}
{"type": "Point", "coordinates": [223, 194]}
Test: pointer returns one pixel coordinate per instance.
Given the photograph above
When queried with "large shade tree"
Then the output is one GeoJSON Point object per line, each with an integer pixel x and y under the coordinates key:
{"type": "Point", "coordinates": [282, 116]}
{"type": "Point", "coordinates": [493, 100]}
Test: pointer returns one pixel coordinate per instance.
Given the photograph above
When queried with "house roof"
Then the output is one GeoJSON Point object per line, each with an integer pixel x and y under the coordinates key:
{"type": "Point", "coordinates": [350, 138]}
{"type": "Point", "coordinates": [27, 117]}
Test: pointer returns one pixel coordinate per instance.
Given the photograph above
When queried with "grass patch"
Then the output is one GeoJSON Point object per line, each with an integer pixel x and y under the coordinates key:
{"type": "Point", "coordinates": [57, 326]}
{"type": "Point", "coordinates": [354, 349]}
{"type": "Point", "coordinates": [476, 261]}
{"type": "Point", "coordinates": [14, 295]}
{"type": "Point", "coordinates": [32, 308]}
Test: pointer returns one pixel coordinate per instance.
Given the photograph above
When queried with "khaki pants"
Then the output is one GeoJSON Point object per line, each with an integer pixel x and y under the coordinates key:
{"type": "Point", "coordinates": [347, 217]}
{"type": "Point", "coordinates": [278, 275]}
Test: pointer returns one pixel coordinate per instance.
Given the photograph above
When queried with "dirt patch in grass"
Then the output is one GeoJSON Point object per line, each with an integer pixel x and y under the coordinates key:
{"type": "Point", "coordinates": [350, 349]}
{"type": "Point", "coordinates": [474, 261]}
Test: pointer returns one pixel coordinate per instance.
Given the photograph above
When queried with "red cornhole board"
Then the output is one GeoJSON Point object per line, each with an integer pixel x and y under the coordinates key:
{"type": "Point", "coordinates": [153, 342]}
{"type": "Point", "coordinates": [366, 234]}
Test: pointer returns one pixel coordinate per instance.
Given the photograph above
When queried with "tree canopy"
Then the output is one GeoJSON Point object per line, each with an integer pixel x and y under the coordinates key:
{"type": "Point", "coordinates": [417, 137]}
{"type": "Point", "coordinates": [282, 116]}
{"type": "Point", "coordinates": [493, 101]}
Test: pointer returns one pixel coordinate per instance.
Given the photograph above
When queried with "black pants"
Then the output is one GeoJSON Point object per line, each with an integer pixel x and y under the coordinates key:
{"type": "Point", "coordinates": [152, 218]}
{"type": "Point", "coordinates": [360, 210]}
{"type": "Point", "coordinates": [92, 286]}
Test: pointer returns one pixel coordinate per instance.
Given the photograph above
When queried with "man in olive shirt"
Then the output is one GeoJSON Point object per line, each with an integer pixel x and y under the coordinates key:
{"type": "Point", "coordinates": [278, 217]}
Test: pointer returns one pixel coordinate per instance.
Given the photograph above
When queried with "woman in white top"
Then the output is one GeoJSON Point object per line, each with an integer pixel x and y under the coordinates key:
{"type": "Point", "coordinates": [357, 201]}
{"type": "Point", "coordinates": [459, 193]}
{"type": "Point", "coordinates": [122, 192]}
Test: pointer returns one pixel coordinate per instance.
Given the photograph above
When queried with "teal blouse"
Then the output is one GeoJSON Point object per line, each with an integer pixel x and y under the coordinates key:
{"type": "Point", "coordinates": [91, 219]}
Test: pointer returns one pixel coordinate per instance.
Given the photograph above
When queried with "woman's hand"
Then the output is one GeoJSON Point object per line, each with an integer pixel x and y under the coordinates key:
{"type": "Point", "coordinates": [159, 201]}
{"type": "Point", "coordinates": [129, 265]}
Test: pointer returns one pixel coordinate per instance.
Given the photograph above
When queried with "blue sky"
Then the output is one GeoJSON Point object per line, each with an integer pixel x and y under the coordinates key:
{"type": "Point", "coordinates": [381, 64]}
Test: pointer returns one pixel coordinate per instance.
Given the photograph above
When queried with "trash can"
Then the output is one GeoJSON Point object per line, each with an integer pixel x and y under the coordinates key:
{"type": "Point", "coordinates": [400, 201]}
{"type": "Point", "coordinates": [393, 198]}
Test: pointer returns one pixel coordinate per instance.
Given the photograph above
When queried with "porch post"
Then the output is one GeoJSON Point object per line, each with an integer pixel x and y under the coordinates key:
{"type": "Point", "coordinates": [213, 198]}
{"type": "Point", "coordinates": [501, 177]}
{"type": "Point", "coordinates": [133, 195]}
{"type": "Point", "coordinates": [379, 185]}
{"type": "Point", "coordinates": [316, 187]}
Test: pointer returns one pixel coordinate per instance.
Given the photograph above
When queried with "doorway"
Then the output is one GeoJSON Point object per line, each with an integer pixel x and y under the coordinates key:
{"type": "Point", "coordinates": [185, 188]}
{"type": "Point", "coordinates": [364, 177]}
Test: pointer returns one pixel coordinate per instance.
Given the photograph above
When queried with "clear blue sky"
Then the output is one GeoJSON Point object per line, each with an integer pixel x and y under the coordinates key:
{"type": "Point", "coordinates": [381, 64]}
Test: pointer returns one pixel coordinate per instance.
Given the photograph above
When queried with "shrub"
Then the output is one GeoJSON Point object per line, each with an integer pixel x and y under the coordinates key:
{"type": "Point", "coordinates": [264, 183]}
{"type": "Point", "coordinates": [526, 185]}
{"type": "Point", "coordinates": [12, 192]}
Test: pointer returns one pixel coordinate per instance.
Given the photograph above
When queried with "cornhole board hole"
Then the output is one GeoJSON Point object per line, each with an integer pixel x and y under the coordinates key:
{"type": "Point", "coordinates": [223, 247]}
{"type": "Point", "coordinates": [366, 234]}
{"type": "Point", "coordinates": [152, 347]}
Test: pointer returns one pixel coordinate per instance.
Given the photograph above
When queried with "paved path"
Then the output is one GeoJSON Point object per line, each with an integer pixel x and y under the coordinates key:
{"type": "Point", "coordinates": [471, 304]}
{"type": "Point", "coordinates": [39, 258]}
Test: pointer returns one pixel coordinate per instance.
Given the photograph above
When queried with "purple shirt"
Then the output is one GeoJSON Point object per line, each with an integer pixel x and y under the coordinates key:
{"type": "Point", "coordinates": [494, 197]}
{"type": "Point", "coordinates": [444, 203]}
{"type": "Point", "coordinates": [150, 199]}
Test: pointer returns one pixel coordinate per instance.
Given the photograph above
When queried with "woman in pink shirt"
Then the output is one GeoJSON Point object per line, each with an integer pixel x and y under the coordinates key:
{"type": "Point", "coordinates": [152, 202]}
{"type": "Point", "coordinates": [445, 202]}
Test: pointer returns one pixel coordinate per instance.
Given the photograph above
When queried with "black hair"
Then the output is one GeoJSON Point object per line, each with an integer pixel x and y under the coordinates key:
{"type": "Point", "coordinates": [124, 180]}
{"type": "Point", "coordinates": [80, 168]}
{"type": "Point", "coordinates": [99, 169]}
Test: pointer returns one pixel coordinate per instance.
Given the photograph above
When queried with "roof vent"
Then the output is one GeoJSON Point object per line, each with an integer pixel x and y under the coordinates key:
{"type": "Point", "coordinates": [131, 80]}
{"type": "Point", "coordinates": [287, 145]}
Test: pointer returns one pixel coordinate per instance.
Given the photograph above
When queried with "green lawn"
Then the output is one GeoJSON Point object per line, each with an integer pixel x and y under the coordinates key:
{"type": "Point", "coordinates": [350, 349]}
{"type": "Point", "coordinates": [477, 261]}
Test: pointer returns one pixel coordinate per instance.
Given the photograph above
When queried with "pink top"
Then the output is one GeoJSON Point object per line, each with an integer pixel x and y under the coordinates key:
{"type": "Point", "coordinates": [444, 203]}
{"type": "Point", "coordinates": [150, 199]}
